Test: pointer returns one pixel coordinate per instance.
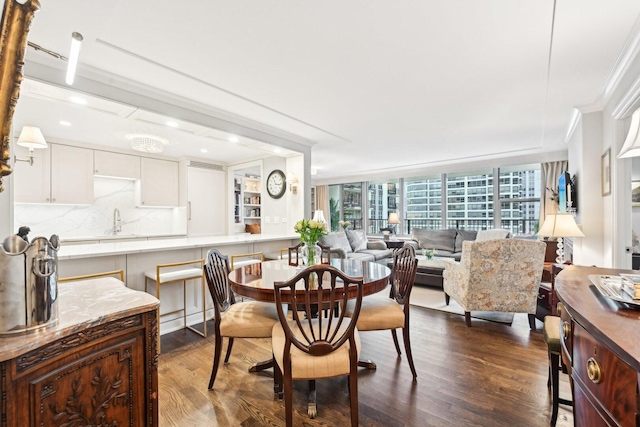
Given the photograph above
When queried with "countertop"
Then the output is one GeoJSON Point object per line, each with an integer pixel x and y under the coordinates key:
{"type": "Point", "coordinates": [118, 237]}
{"type": "Point", "coordinates": [612, 323]}
{"type": "Point", "coordinates": [81, 305]}
{"type": "Point", "coordinates": [138, 246]}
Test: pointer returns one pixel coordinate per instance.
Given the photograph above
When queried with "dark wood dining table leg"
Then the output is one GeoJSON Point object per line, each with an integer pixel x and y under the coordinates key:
{"type": "Point", "coordinates": [261, 366]}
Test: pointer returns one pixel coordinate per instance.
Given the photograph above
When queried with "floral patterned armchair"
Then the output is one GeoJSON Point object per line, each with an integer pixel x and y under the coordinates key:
{"type": "Point", "coordinates": [497, 275]}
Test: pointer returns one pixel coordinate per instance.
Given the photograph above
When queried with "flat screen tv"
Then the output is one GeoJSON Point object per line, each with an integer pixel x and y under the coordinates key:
{"type": "Point", "coordinates": [564, 189]}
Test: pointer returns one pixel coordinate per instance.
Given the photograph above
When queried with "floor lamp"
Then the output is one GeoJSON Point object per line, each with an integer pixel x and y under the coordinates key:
{"type": "Point", "coordinates": [560, 225]}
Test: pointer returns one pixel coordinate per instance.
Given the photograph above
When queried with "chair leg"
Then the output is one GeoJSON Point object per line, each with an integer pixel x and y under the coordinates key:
{"type": "Point", "coordinates": [288, 398]}
{"type": "Point", "coordinates": [407, 348]}
{"type": "Point", "coordinates": [353, 397]}
{"type": "Point", "coordinates": [554, 366]}
{"type": "Point", "coordinates": [217, 354]}
{"type": "Point", "coordinates": [395, 341]}
{"type": "Point", "coordinates": [229, 347]}
{"type": "Point", "coordinates": [277, 381]}
{"type": "Point", "coordinates": [447, 298]}
{"type": "Point", "coordinates": [467, 318]}
{"type": "Point", "coordinates": [532, 322]}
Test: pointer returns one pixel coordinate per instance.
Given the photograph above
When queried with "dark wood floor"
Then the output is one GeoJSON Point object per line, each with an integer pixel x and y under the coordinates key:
{"type": "Point", "coordinates": [488, 375]}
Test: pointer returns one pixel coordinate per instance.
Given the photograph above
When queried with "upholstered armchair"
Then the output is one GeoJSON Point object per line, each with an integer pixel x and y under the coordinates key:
{"type": "Point", "coordinates": [497, 275]}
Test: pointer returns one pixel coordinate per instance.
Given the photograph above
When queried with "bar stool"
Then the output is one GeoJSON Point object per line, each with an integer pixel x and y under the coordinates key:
{"type": "Point", "coordinates": [551, 333]}
{"type": "Point", "coordinates": [171, 273]}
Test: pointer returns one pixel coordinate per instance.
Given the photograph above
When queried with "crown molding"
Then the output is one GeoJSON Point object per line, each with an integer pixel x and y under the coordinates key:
{"type": "Point", "coordinates": [629, 102]}
{"type": "Point", "coordinates": [576, 115]}
{"type": "Point", "coordinates": [628, 54]}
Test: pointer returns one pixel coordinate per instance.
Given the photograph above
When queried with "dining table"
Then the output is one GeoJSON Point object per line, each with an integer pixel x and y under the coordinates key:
{"type": "Point", "coordinates": [256, 281]}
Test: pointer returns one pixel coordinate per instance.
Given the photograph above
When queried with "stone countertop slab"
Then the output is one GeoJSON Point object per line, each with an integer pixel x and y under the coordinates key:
{"type": "Point", "coordinates": [132, 247]}
{"type": "Point", "coordinates": [81, 305]}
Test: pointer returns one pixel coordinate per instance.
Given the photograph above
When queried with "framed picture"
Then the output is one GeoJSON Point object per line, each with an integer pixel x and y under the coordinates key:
{"type": "Point", "coordinates": [635, 193]}
{"type": "Point", "coordinates": [606, 172]}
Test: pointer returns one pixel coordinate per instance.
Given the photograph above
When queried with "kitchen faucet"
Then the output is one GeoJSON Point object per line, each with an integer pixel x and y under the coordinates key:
{"type": "Point", "coordinates": [116, 222]}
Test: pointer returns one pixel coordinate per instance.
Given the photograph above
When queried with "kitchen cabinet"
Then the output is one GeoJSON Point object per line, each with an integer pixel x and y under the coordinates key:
{"type": "Point", "coordinates": [159, 183]}
{"type": "Point", "coordinates": [60, 174]}
{"type": "Point", "coordinates": [205, 214]}
{"type": "Point", "coordinates": [116, 165]}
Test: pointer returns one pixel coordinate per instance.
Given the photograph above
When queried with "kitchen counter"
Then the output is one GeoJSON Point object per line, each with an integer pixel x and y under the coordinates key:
{"type": "Point", "coordinates": [110, 237]}
{"type": "Point", "coordinates": [89, 250]}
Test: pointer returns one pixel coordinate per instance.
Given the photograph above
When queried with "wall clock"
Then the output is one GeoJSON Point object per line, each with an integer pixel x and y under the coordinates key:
{"type": "Point", "coordinates": [276, 184]}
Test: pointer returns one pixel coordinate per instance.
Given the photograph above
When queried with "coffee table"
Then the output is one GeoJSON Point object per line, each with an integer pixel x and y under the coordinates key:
{"type": "Point", "coordinates": [429, 271]}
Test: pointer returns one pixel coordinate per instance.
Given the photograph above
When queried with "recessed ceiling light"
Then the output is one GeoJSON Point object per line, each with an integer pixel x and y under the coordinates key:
{"type": "Point", "coordinates": [172, 124]}
{"type": "Point", "coordinates": [203, 150]}
{"type": "Point", "coordinates": [233, 138]}
{"type": "Point", "coordinates": [78, 100]}
{"type": "Point", "coordinates": [276, 150]}
{"type": "Point", "coordinates": [64, 123]}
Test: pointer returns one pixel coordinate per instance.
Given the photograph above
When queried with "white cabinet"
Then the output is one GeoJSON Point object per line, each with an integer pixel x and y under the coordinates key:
{"type": "Point", "coordinates": [60, 174]}
{"type": "Point", "coordinates": [116, 165]}
{"type": "Point", "coordinates": [159, 183]}
{"type": "Point", "coordinates": [205, 213]}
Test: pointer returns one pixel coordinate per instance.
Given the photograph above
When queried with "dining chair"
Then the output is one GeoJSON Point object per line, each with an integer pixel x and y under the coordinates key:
{"type": "Point", "coordinates": [325, 346]}
{"type": "Point", "coordinates": [382, 313]}
{"type": "Point", "coordinates": [251, 319]}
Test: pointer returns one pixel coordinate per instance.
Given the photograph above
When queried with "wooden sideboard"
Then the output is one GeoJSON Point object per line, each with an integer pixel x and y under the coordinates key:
{"type": "Point", "coordinates": [601, 345]}
{"type": "Point", "coordinates": [96, 366]}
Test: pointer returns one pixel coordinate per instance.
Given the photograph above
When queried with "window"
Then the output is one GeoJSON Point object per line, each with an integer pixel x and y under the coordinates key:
{"type": "Point", "coordinates": [382, 197]}
{"type": "Point", "coordinates": [468, 206]}
{"type": "Point", "coordinates": [422, 203]}
{"type": "Point", "coordinates": [520, 201]}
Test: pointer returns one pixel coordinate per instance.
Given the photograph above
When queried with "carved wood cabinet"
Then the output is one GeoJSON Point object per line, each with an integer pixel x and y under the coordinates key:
{"type": "Point", "coordinates": [97, 366]}
{"type": "Point", "coordinates": [601, 344]}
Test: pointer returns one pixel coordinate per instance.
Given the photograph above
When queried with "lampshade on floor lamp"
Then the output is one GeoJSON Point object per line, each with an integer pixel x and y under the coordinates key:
{"type": "Point", "coordinates": [560, 225]}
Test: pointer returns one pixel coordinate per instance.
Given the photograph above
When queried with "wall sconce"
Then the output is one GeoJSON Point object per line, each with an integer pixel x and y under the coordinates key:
{"type": "Point", "coordinates": [30, 137]}
{"type": "Point", "coordinates": [293, 183]}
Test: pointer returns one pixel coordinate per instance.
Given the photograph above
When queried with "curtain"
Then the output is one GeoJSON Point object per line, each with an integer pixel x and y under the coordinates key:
{"type": "Point", "coordinates": [322, 202]}
{"type": "Point", "coordinates": [550, 172]}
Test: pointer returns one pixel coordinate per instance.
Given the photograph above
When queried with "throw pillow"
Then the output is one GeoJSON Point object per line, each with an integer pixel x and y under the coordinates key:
{"type": "Point", "coordinates": [252, 228]}
{"type": "Point", "coordinates": [494, 234]}
{"type": "Point", "coordinates": [463, 235]}
{"type": "Point", "coordinates": [435, 239]}
{"type": "Point", "coordinates": [336, 240]}
{"type": "Point", "coordinates": [357, 240]}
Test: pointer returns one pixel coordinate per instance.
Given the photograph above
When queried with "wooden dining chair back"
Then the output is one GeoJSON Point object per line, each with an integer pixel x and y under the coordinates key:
{"type": "Point", "coordinates": [252, 319]}
{"type": "Point", "coordinates": [295, 257]}
{"type": "Point", "coordinates": [381, 313]}
{"type": "Point", "coordinates": [314, 344]}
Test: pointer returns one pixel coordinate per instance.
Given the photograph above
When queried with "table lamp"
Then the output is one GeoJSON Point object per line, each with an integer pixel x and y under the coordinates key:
{"type": "Point", "coordinates": [560, 225]}
{"type": "Point", "coordinates": [394, 219]}
{"type": "Point", "coordinates": [318, 215]}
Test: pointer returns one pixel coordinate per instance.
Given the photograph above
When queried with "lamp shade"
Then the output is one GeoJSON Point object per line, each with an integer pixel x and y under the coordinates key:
{"type": "Point", "coordinates": [319, 216]}
{"type": "Point", "coordinates": [393, 218]}
{"type": "Point", "coordinates": [560, 225]}
{"type": "Point", "coordinates": [31, 137]}
{"type": "Point", "coordinates": [631, 146]}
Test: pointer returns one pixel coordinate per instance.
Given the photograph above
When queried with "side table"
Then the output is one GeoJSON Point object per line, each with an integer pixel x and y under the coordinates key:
{"type": "Point", "coordinates": [394, 244]}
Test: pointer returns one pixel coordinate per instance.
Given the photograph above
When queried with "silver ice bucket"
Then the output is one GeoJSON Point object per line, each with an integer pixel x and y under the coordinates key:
{"type": "Point", "coordinates": [28, 284]}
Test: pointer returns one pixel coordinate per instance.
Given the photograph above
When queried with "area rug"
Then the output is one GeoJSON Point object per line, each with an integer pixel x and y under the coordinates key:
{"type": "Point", "coordinates": [432, 298]}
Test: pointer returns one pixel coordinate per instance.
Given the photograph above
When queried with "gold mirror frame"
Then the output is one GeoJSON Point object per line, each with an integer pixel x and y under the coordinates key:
{"type": "Point", "coordinates": [16, 20]}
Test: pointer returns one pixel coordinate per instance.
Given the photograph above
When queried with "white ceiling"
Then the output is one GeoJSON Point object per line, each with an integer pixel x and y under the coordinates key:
{"type": "Point", "coordinates": [376, 85]}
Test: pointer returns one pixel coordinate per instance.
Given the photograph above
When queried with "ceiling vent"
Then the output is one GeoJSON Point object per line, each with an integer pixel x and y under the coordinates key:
{"type": "Point", "coordinates": [203, 165]}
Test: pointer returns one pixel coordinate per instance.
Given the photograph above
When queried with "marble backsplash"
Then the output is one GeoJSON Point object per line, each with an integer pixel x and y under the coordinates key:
{"type": "Point", "coordinates": [75, 221]}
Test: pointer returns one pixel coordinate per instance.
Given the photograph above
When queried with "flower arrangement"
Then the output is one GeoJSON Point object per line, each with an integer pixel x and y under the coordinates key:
{"type": "Point", "coordinates": [344, 224]}
{"type": "Point", "coordinates": [309, 230]}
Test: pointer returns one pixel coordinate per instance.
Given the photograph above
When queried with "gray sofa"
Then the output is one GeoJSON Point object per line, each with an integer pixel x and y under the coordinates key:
{"type": "Point", "coordinates": [353, 244]}
{"type": "Point", "coordinates": [448, 242]}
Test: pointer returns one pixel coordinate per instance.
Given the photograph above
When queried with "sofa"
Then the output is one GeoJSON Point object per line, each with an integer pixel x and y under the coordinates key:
{"type": "Point", "coordinates": [448, 242]}
{"type": "Point", "coordinates": [353, 244]}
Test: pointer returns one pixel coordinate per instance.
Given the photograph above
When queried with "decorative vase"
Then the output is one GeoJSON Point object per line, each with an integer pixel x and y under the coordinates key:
{"type": "Point", "coordinates": [310, 253]}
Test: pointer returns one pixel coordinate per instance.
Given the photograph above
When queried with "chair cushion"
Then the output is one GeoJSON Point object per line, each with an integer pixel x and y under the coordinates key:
{"type": "Point", "coordinates": [435, 239]}
{"type": "Point", "coordinates": [551, 333]}
{"type": "Point", "coordinates": [357, 240]}
{"type": "Point", "coordinates": [377, 313]}
{"type": "Point", "coordinates": [172, 276]}
{"type": "Point", "coordinates": [305, 366]}
{"type": "Point", "coordinates": [463, 235]}
{"type": "Point", "coordinates": [251, 319]}
{"type": "Point", "coordinates": [337, 239]}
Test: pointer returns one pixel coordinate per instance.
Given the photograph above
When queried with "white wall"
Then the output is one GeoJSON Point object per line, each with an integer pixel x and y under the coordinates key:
{"type": "Point", "coordinates": [274, 210]}
{"type": "Point", "coordinates": [71, 221]}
